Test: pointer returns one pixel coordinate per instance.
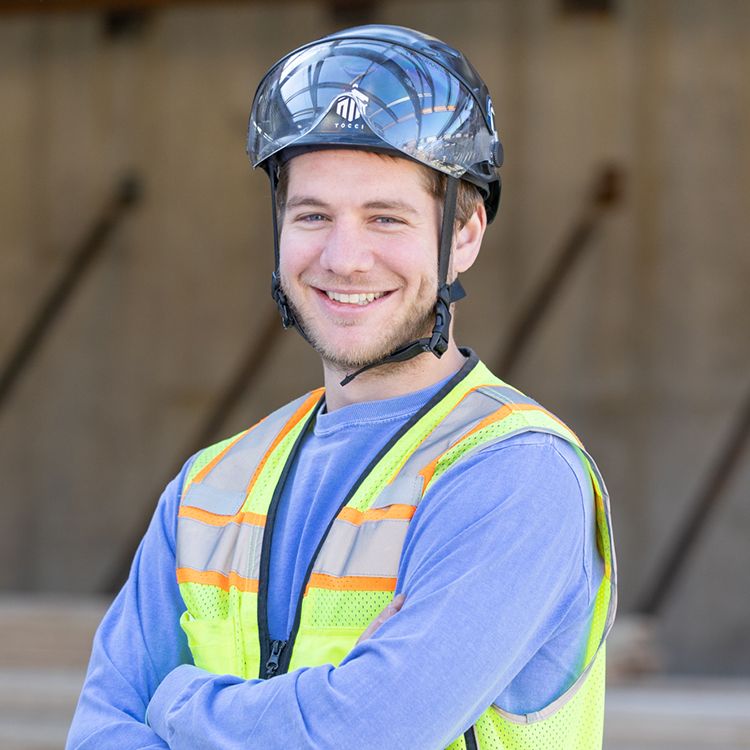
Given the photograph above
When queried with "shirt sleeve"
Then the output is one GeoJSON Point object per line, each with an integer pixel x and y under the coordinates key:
{"type": "Point", "coordinates": [138, 643]}
{"type": "Point", "coordinates": [494, 567]}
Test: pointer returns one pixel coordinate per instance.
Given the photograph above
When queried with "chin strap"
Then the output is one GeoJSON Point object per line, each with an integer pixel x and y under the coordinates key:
{"type": "Point", "coordinates": [437, 343]}
{"type": "Point", "coordinates": [447, 293]}
{"type": "Point", "coordinates": [287, 316]}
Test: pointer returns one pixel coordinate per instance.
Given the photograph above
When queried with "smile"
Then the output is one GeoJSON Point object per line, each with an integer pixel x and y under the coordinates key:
{"type": "Point", "coordinates": [355, 299]}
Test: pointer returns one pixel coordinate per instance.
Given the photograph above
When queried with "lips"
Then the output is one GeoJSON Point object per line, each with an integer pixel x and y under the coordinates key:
{"type": "Point", "coordinates": [361, 299]}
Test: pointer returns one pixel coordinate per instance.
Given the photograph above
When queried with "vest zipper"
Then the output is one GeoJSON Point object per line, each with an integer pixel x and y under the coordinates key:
{"type": "Point", "coordinates": [271, 650]}
{"type": "Point", "coordinates": [273, 661]}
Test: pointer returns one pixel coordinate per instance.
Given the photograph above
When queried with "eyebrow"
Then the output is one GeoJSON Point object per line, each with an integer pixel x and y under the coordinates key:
{"type": "Point", "coordinates": [392, 205]}
{"type": "Point", "coordinates": [304, 200]}
{"type": "Point", "coordinates": [396, 205]}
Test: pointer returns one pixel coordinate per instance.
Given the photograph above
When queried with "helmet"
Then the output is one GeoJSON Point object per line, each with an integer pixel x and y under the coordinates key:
{"type": "Point", "coordinates": [387, 89]}
{"type": "Point", "coordinates": [380, 88]}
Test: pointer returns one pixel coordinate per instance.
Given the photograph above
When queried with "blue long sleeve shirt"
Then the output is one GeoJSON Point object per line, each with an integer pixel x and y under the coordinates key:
{"type": "Point", "coordinates": [500, 572]}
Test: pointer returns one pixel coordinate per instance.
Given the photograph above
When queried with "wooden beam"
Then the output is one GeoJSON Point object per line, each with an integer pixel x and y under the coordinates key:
{"type": "Point", "coordinates": [57, 6]}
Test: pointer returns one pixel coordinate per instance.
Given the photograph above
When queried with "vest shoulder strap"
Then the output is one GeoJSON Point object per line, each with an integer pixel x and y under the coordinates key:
{"type": "Point", "coordinates": [220, 476]}
{"type": "Point", "coordinates": [487, 413]}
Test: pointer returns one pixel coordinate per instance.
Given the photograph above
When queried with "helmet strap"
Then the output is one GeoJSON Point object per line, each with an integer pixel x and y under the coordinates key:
{"type": "Point", "coordinates": [447, 293]}
{"type": "Point", "coordinates": [288, 318]}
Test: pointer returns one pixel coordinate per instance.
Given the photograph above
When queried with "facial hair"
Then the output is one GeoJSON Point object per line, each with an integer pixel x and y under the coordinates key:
{"type": "Point", "coordinates": [414, 322]}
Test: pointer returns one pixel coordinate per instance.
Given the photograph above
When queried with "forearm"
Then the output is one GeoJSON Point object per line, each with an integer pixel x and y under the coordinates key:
{"type": "Point", "coordinates": [419, 682]}
{"type": "Point", "coordinates": [398, 688]}
{"type": "Point", "coordinates": [112, 706]}
{"type": "Point", "coordinates": [138, 643]}
{"type": "Point", "coordinates": [111, 717]}
{"type": "Point", "coordinates": [321, 708]}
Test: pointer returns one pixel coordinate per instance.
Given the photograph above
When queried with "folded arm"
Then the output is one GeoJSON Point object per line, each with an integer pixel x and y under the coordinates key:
{"type": "Point", "coordinates": [492, 569]}
{"type": "Point", "coordinates": [137, 645]}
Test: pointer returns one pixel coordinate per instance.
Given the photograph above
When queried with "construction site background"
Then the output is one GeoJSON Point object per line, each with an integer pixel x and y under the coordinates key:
{"type": "Point", "coordinates": [644, 350]}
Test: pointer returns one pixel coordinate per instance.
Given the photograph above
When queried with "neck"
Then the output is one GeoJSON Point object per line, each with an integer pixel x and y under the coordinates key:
{"type": "Point", "coordinates": [391, 380]}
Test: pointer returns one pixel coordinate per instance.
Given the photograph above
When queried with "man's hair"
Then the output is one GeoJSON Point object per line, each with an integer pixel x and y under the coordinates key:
{"type": "Point", "coordinates": [434, 182]}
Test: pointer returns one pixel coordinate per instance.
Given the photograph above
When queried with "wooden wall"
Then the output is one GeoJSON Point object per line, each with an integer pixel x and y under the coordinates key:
{"type": "Point", "coordinates": [646, 355]}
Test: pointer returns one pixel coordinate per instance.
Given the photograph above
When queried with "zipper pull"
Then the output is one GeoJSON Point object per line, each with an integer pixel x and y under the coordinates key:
{"type": "Point", "coordinates": [273, 662]}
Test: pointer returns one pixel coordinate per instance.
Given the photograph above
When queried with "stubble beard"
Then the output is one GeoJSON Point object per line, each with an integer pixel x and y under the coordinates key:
{"type": "Point", "coordinates": [415, 322]}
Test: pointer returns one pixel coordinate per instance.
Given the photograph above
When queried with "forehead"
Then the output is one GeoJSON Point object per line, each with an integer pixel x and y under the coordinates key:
{"type": "Point", "coordinates": [351, 172]}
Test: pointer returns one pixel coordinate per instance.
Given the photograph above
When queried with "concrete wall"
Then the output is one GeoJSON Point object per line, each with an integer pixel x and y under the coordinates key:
{"type": "Point", "coordinates": [647, 353]}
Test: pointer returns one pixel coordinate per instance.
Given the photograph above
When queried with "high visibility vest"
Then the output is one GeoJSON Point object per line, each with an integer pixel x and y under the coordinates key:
{"type": "Point", "coordinates": [225, 524]}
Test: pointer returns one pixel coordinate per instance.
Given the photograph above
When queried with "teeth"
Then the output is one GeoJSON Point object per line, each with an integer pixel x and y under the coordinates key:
{"type": "Point", "coordinates": [355, 299]}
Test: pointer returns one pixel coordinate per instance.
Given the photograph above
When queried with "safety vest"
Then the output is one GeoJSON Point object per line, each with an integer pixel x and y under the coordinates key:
{"type": "Point", "coordinates": [226, 519]}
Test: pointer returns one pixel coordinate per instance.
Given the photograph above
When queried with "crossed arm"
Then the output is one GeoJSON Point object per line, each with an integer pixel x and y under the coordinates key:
{"type": "Point", "coordinates": [419, 679]}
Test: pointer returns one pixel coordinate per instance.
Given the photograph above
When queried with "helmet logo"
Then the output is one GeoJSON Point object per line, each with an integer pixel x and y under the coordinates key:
{"type": "Point", "coordinates": [491, 114]}
{"type": "Point", "coordinates": [350, 107]}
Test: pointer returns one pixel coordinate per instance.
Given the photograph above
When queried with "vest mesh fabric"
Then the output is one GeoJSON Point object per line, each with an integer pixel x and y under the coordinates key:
{"type": "Point", "coordinates": [221, 622]}
{"type": "Point", "coordinates": [576, 726]}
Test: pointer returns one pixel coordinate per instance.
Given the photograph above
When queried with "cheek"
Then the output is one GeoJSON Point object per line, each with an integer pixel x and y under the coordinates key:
{"type": "Point", "coordinates": [420, 262]}
{"type": "Point", "coordinates": [294, 254]}
{"type": "Point", "coordinates": [412, 254]}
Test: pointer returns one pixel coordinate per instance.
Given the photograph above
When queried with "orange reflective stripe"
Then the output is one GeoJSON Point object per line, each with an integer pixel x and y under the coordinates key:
{"type": "Point", "coordinates": [501, 413]}
{"type": "Point", "coordinates": [429, 470]}
{"type": "Point", "coordinates": [508, 409]}
{"type": "Point", "coordinates": [200, 476]}
{"type": "Point", "coordinates": [350, 583]}
{"type": "Point", "coordinates": [212, 578]}
{"type": "Point", "coordinates": [212, 519]}
{"type": "Point", "coordinates": [394, 512]}
{"type": "Point", "coordinates": [302, 412]}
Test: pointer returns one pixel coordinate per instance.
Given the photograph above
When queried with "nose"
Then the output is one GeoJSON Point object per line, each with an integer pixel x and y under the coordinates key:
{"type": "Point", "coordinates": [346, 251]}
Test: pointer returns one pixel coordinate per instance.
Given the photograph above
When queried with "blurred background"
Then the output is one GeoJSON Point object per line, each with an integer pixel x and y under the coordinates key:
{"type": "Point", "coordinates": [136, 323]}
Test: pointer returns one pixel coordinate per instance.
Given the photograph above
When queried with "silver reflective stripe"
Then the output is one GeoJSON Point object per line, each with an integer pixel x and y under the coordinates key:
{"type": "Point", "coordinates": [213, 500]}
{"type": "Point", "coordinates": [404, 490]}
{"type": "Point", "coordinates": [465, 417]}
{"type": "Point", "coordinates": [521, 430]}
{"type": "Point", "coordinates": [507, 395]}
{"type": "Point", "coordinates": [231, 547]}
{"type": "Point", "coordinates": [372, 549]}
{"type": "Point", "coordinates": [235, 470]}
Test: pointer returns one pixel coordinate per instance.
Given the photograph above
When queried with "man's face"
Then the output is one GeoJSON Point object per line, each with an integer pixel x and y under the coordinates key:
{"type": "Point", "coordinates": [358, 248]}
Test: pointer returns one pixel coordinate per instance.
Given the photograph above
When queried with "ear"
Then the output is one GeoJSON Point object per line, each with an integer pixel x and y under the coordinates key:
{"type": "Point", "coordinates": [469, 240]}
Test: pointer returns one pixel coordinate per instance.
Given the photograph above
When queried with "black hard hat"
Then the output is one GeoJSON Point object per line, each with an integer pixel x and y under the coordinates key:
{"type": "Point", "coordinates": [380, 88]}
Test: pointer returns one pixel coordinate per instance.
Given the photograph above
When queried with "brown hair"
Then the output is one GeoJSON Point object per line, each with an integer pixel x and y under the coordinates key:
{"type": "Point", "coordinates": [467, 200]}
{"type": "Point", "coordinates": [434, 182]}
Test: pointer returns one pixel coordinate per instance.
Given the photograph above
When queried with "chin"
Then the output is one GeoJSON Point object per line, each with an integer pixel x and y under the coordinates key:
{"type": "Point", "coordinates": [360, 351]}
{"type": "Point", "coordinates": [354, 356]}
{"type": "Point", "coordinates": [350, 347]}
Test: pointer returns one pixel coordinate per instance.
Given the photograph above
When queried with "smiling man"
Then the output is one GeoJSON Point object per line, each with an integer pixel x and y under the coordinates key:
{"type": "Point", "coordinates": [358, 267]}
{"type": "Point", "coordinates": [416, 556]}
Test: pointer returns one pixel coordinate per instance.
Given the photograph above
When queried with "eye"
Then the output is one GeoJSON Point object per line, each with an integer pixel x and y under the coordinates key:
{"type": "Point", "coordinates": [310, 219]}
{"type": "Point", "coordinates": [388, 220]}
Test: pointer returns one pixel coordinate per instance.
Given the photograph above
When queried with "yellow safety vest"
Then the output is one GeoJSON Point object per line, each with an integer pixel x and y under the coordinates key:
{"type": "Point", "coordinates": [230, 497]}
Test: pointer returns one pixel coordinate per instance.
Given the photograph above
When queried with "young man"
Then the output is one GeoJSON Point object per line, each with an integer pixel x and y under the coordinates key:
{"type": "Point", "coordinates": [418, 556]}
